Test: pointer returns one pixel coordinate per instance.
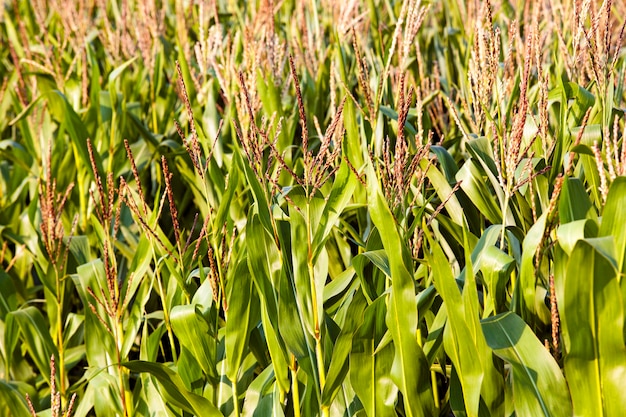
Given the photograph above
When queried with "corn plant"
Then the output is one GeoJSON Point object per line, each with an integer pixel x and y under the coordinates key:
{"type": "Point", "coordinates": [312, 208]}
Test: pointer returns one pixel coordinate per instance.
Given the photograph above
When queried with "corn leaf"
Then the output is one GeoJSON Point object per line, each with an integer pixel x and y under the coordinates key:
{"type": "Point", "coordinates": [593, 318]}
{"type": "Point", "coordinates": [263, 259]}
{"type": "Point", "coordinates": [458, 340]}
{"type": "Point", "coordinates": [242, 304]}
{"type": "Point", "coordinates": [12, 402]}
{"type": "Point", "coordinates": [192, 331]}
{"type": "Point", "coordinates": [410, 369]}
{"type": "Point", "coordinates": [173, 388]}
{"type": "Point", "coordinates": [36, 337]}
{"type": "Point", "coordinates": [372, 367]}
{"type": "Point", "coordinates": [539, 388]}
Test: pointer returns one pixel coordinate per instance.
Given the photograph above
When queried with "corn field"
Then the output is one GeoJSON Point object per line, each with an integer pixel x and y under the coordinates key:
{"type": "Point", "coordinates": [312, 208]}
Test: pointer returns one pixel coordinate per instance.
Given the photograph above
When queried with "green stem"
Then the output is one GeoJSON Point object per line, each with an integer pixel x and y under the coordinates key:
{"type": "Point", "coordinates": [60, 345]}
{"type": "Point", "coordinates": [154, 109]}
{"type": "Point", "coordinates": [295, 393]}
{"type": "Point", "coordinates": [170, 336]}
{"type": "Point", "coordinates": [220, 391]}
{"type": "Point", "coordinates": [504, 212]}
{"type": "Point", "coordinates": [112, 140]}
{"type": "Point", "coordinates": [446, 370]}
{"type": "Point", "coordinates": [513, 280]}
{"type": "Point", "coordinates": [235, 397]}
{"type": "Point", "coordinates": [121, 372]}
{"type": "Point", "coordinates": [433, 379]}
{"type": "Point", "coordinates": [166, 318]}
{"type": "Point", "coordinates": [319, 353]}
{"type": "Point", "coordinates": [61, 350]}
{"type": "Point", "coordinates": [82, 198]}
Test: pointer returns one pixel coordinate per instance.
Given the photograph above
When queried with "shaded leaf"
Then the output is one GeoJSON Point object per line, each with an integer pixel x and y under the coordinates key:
{"type": "Point", "coordinates": [592, 319]}
{"type": "Point", "coordinates": [539, 388]}
{"type": "Point", "coordinates": [173, 388]}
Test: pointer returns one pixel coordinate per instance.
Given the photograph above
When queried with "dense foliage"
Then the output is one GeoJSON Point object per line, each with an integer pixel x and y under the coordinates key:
{"type": "Point", "coordinates": [310, 208]}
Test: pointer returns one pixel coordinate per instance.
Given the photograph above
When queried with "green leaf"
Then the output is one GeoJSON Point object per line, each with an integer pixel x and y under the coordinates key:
{"type": "Point", "coordinates": [79, 247]}
{"type": "Point", "coordinates": [372, 283]}
{"type": "Point", "coordinates": [290, 324]}
{"type": "Point", "coordinates": [492, 383]}
{"type": "Point", "coordinates": [574, 202]}
{"type": "Point", "coordinates": [458, 340]}
{"type": "Point", "coordinates": [242, 301]}
{"type": "Point", "coordinates": [352, 143]}
{"type": "Point", "coordinates": [226, 201]}
{"type": "Point", "coordinates": [614, 219]}
{"type": "Point", "coordinates": [378, 258]}
{"type": "Point", "coordinates": [446, 161]}
{"type": "Point", "coordinates": [496, 267]}
{"type": "Point", "coordinates": [100, 345]}
{"type": "Point", "coordinates": [119, 70]}
{"type": "Point", "coordinates": [444, 191]}
{"type": "Point", "coordinates": [105, 394]}
{"type": "Point", "coordinates": [525, 292]}
{"type": "Point", "coordinates": [263, 257]}
{"type": "Point", "coordinates": [344, 185]}
{"type": "Point", "coordinates": [65, 114]}
{"type": "Point", "coordinates": [592, 320]}
{"type": "Point", "coordinates": [570, 233]}
{"type": "Point", "coordinates": [539, 388]}
{"type": "Point", "coordinates": [192, 331]}
{"type": "Point", "coordinates": [151, 402]}
{"type": "Point", "coordinates": [370, 368]}
{"type": "Point", "coordinates": [36, 337]}
{"type": "Point", "coordinates": [302, 275]}
{"type": "Point", "coordinates": [12, 401]}
{"type": "Point", "coordinates": [410, 370]}
{"type": "Point", "coordinates": [8, 295]}
{"type": "Point", "coordinates": [481, 151]}
{"type": "Point", "coordinates": [262, 205]}
{"type": "Point", "coordinates": [256, 401]}
{"type": "Point", "coordinates": [173, 388]}
{"type": "Point", "coordinates": [339, 365]}
{"type": "Point", "coordinates": [589, 166]}
{"type": "Point", "coordinates": [269, 94]}
{"type": "Point", "coordinates": [478, 191]}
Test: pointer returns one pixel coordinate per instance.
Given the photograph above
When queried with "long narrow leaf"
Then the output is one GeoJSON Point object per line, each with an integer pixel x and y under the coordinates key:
{"type": "Point", "coordinates": [410, 369]}
{"type": "Point", "coordinates": [458, 339]}
{"type": "Point", "coordinates": [370, 367]}
{"type": "Point", "coordinates": [539, 388]}
{"type": "Point", "coordinates": [174, 390]}
{"type": "Point", "coordinates": [592, 318]}
{"type": "Point", "coordinates": [36, 337]}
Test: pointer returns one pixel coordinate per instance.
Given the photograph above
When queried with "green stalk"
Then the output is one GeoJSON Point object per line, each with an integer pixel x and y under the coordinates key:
{"type": "Point", "coordinates": [433, 379]}
{"type": "Point", "coordinates": [60, 345]}
{"type": "Point", "coordinates": [513, 280]}
{"type": "Point", "coordinates": [123, 382]}
{"type": "Point", "coordinates": [166, 318]}
{"type": "Point", "coordinates": [61, 350]}
{"type": "Point", "coordinates": [112, 140]}
{"type": "Point", "coordinates": [504, 212]}
{"type": "Point", "coordinates": [220, 391]}
{"type": "Point", "coordinates": [319, 353]}
{"type": "Point", "coordinates": [433, 374]}
{"type": "Point", "coordinates": [83, 200]}
{"type": "Point", "coordinates": [154, 109]}
{"type": "Point", "coordinates": [122, 373]}
{"type": "Point", "coordinates": [445, 370]}
{"type": "Point", "coordinates": [170, 335]}
{"type": "Point", "coordinates": [235, 397]}
{"type": "Point", "coordinates": [295, 394]}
